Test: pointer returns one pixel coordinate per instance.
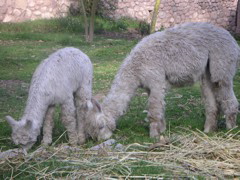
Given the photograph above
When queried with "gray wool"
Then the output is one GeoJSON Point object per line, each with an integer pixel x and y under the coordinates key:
{"type": "Point", "coordinates": [63, 78]}
{"type": "Point", "coordinates": [176, 57]}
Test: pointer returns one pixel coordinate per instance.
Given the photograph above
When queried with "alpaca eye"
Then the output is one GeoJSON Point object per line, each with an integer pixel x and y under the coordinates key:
{"type": "Point", "coordinates": [101, 127]}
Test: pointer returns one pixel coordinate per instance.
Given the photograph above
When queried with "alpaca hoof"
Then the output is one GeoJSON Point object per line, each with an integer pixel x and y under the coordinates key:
{"type": "Point", "coordinates": [154, 133]}
{"type": "Point", "coordinates": [230, 126]}
{"type": "Point", "coordinates": [73, 143]}
{"type": "Point", "coordinates": [210, 129]}
{"type": "Point", "coordinates": [156, 129]}
{"type": "Point", "coordinates": [81, 141]}
{"type": "Point", "coordinates": [231, 121]}
{"type": "Point", "coordinates": [46, 142]}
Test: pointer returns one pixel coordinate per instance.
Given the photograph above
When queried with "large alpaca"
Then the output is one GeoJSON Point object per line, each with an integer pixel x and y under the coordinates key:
{"type": "Point", "coordinates": [63, 76]}
{"type": "Point", "coordinates": [176, 57]}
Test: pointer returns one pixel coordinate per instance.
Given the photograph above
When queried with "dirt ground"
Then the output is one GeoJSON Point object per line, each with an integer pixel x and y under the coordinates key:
{"type": "Point", "coordinates": [11, 85]}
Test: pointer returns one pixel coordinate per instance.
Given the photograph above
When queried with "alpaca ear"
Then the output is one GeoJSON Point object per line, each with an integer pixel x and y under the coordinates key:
{"type": "Point", "coordinates": [89, 105]}
{"type": "Point", "coordinates": [112, 125]}
{"type": "Point", "coordinates": [96, 105]}
{"type": "Point", "coordinates": [28, 124]}
{"type": "Point", "coordinates": [11, 121]}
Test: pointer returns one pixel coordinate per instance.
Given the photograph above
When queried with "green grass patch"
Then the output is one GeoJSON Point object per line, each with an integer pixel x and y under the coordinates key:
{"type": "Point", "coordinates": [24, 45]}
{"type": "Point", "coordinates": [72, 24]}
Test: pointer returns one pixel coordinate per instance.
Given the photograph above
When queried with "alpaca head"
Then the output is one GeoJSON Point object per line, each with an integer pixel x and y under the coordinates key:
{"type": "Point", "coordinates": [97, 124]}
{"type": "Point", "coordinates": [23, 133]}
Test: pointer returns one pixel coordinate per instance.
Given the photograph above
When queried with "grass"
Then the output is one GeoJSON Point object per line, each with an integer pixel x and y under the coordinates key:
{"type": "Point", "coordinates": [24, 45]}
{"type": "Point", "coordinates": [70, 24]}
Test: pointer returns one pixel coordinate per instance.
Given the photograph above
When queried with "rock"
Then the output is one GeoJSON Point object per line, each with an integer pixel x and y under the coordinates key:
{"type": "Point", "coordinates": [106, 144]}
{"type": "Point", "coordinates": [200, 10]}
{"type": "Point", "coordinates": [119, 147]}
{"type": "Point", "coordinates": [109, 144]}
{"type": "Point", "coordinates": [8, 18]}
{"type": "Point", "coordinates": [12, 153]}
{"type": "Point", "coordinates": [171, 20]}
{"type": "Point", "coordinates": [16, 12]}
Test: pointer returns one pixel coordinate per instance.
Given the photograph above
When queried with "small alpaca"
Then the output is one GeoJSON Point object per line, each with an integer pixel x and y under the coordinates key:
{"type": "Point", "coordinates": [64, 78]}
{"type": "Point", "coordinates": [175, 57]}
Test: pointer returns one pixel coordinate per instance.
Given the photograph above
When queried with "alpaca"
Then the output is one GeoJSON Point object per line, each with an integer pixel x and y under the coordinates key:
{"type": "Point", "coordinates": [63, 76]}
{"type": "Point", "coordinates": [175, 57]}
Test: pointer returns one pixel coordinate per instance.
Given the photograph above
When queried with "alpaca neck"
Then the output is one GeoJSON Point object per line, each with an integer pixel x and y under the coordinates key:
{"type": "Point", "coordinates": [35, 110]}
{"type": "Point", "coordinates": [117, 100]}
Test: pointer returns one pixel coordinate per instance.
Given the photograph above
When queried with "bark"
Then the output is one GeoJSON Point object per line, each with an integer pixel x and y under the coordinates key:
{"type": "Point", "coordinates": [86, 25]}
{"type": "Point", "coordinates": [238, 19]}
{"type": "Point", "coordinates": [154, 17]}
{"type": "Point", "coordinates": [93, 12]}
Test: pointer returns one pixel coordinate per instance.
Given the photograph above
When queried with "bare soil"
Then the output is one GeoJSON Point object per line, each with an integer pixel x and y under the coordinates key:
{"type": "Point", "coordinates": [12, 85]}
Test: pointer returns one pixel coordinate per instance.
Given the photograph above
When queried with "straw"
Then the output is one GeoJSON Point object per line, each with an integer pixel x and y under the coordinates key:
{"type": "Point", "coordinates": [188, 154]}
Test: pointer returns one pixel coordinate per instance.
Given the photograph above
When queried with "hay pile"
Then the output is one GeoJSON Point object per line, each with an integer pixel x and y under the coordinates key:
{"type": "Point", "coordinates": [188, 155]}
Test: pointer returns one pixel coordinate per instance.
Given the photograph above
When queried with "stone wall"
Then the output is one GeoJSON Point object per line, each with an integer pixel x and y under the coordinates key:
{"type": "Point", "coordinates": [20, 10]}
{"type": "Point", "coordinates": [220, 12]}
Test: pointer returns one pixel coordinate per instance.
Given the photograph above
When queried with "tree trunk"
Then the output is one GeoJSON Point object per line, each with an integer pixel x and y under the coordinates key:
{"type": "Point", "coordinates": [238, 18]}
{"type": "Point", "coordinates": [154, 17]}
{"type": "Point", "coordinates": [85, 21]}
{"type": "Point", "coordinates": [93, 12]}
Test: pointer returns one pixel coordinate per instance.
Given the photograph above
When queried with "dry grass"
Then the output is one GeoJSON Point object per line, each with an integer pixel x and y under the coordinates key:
{"type": "Point", "coordinates": [187, 155]}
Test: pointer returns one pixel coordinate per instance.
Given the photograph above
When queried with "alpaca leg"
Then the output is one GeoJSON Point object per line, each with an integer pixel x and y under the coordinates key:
{"type": "Point", "coordinates": [81, 97]}
{"type": "Point", "coordinates": [80, 111]}
{"type": "Point", "coordinates": [81, 133]}
{"type": "Point", "coordinates": [156, 107]}
{"type": "Point", "coordinates": [69, 120]}
{"type": "Point", "coordinates": [228, 101]}
{"type": "Point", "coordinates": [48, 126]}
{"type": "Point", "coordinates": [211, 108]}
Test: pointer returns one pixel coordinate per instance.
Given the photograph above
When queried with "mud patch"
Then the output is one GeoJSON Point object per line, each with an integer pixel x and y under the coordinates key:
{"type": "Point", "coordinates": [13, 85]}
